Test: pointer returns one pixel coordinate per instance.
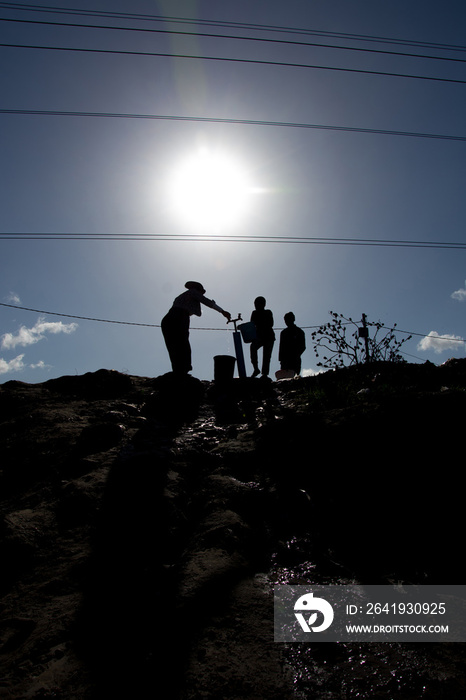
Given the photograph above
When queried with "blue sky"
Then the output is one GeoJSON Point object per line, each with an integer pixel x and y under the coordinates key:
{"type": "Point", "coordinates": [86, 175]}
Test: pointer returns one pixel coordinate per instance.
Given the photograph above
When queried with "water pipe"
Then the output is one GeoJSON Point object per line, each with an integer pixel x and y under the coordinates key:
{"type": "Point", "coordinates": [238, 348]}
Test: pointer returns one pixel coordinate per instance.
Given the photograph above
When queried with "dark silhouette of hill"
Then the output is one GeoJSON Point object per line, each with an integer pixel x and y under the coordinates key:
{"type": "Point", "coordinates": [145, 521]}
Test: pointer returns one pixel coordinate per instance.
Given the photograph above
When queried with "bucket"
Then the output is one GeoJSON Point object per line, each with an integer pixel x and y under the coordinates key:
{"type": "Point", "coordinates": [248, 331]}
{"type": "Point", "coordinates": [285, 374]}
{"type": "Point", "coordinates": [224, 368]}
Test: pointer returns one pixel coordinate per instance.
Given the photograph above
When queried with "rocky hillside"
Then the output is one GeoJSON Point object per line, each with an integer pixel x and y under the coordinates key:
{"type": "Point", "coordinates": [144, 523]}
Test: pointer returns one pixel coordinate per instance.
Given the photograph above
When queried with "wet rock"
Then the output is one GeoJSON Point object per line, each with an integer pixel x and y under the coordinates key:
{"type": "Point", "coordinates": [205, 575]}
{"type": "Point", "coordinates": [101, 384]}
{"type": "Point", "coordinates": [77, 504]}
{"type": "Point", "coordinates": [234, 655]}
{"type": "Point", "coordinates": [23, 533]}
{"type": "Point", "coordinates": [175, 399]}
{"type": "Point", "coordinates": [14, 633]}
{"type": "Point", "coordinates": [99, 438]}
{"type": "Point", "coordinates": [114, 417]}
{"type": "Point", "coordinates": [136, 511]}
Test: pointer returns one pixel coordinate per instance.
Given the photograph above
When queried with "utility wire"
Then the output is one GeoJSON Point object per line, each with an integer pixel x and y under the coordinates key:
{"type": "Point", "coordinates": [234, 239]}
{"type": "Point", "coordinates": [85, 318]}
{"type": "Point", "coordinates": [423, 335]}
{"type": "Point", "coordinates": [236, 38]}
{"type": "Point", "coordinates": [233, 60]}
{"type": "Point", "coordinates": [154, 325]}
{"type": "Point", "coordinates": [234, 25]}
{"type": "Point", "coordinates": [407, 354]}
{"type": "Point", "coordinates": [106, 320]}
{"type": "Point", "coordinates": [224, 120]}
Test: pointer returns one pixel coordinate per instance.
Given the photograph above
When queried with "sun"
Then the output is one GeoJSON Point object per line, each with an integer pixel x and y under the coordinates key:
{"type": "Point", "coordinates": [210, 192]}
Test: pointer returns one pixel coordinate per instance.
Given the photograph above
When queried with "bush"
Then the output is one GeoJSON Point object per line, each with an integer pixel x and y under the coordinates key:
{"type": "Point", "coordinates": [343, 350]}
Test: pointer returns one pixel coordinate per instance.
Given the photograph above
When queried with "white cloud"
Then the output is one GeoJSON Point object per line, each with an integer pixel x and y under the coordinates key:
{"type": "Point", "coordinates": [310, 372]}
{"type": "Point", "coordinates": [460, 294]}
{"type": "Point", "coordinates": [40, 365]}
{"type": "Point", "coordinates": [440, 343]}
{"type": "Point", "coordinates": [13, 298]}
{"type": "Point", "coordinates": [29, 336]}
{"type": "Point", "coordinates": [15, 365]}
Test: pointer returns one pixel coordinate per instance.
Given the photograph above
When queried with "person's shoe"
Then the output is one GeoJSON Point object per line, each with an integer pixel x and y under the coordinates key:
{"type": "Point", "coordinates": [255, 373]}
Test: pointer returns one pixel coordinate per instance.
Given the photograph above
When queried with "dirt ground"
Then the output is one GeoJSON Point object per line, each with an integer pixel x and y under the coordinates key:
{"type": "Point", "coordinates": [144, 523]}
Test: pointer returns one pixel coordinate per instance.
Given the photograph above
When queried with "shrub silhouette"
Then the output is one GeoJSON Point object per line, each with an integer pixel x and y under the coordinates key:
{"type": "Point", "coordinates": [351, 350]}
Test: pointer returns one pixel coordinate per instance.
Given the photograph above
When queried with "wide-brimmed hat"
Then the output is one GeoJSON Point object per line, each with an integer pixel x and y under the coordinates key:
{"type": "Point", "coordinates": [195, 285]}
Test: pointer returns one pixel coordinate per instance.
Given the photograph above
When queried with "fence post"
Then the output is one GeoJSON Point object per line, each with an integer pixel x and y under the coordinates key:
{"type": "Point", "coordinates": [364, 333]}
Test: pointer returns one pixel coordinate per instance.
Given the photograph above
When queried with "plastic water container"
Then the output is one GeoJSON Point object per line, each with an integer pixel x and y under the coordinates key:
{"type": "Point", "coordinates": [224, 368]}
{"type": "Point", "coordinates": [248, 331]}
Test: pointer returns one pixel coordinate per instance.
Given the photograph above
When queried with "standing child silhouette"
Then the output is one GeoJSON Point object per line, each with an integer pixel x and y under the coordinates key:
{"type": "Point", "coordinates": [292, 345]}
{"type": "Point", "coordinates": [265, 337]}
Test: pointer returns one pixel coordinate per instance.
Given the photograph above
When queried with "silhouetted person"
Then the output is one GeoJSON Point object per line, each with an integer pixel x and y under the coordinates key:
{"type": "Point", "coordinates": [265, 336]}
{"type": "Point", "coordinates": [175, 325]}
{"type": "Point", "coordinates": [292, 345]}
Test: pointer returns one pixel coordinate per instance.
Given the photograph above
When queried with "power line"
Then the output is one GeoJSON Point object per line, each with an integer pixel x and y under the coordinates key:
{"type": "Point", "coordinates": [226, 120]}
{"type": "Point", "coordinates": [106, 320]}
{"type": "Point", "coordinates": [82, 318]}
{"type": "Point", "coordinates": [228, 238]}
{"type": "Point", "coordinates": [423, 335]}
{"type": "Point", "coordinates": [154, 325]}
{"type": "Point", "coordinates": [232, 60]}
{"type": "Point", "coordinates": [229, 24]}
{"type": "Point", "coordinates": [235, 38]}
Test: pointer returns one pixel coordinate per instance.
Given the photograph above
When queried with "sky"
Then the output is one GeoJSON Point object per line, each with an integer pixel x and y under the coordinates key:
{"type": "Point", "coordinates": [236, 189]}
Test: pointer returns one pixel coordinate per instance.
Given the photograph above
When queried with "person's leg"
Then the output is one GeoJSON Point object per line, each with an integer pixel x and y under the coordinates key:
{"type": "Point", "coordinates": [175, 329]}
{"type": "Point", "coordinates": [254, 348]}
{"type": "Point", "coordinates": [267, 354]}
{"type": "Point", "coordinates": [297, 365]}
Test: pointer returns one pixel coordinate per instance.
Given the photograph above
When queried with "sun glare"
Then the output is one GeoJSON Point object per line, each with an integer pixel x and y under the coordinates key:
{"type": "Point", "coordinates": [210, 192]}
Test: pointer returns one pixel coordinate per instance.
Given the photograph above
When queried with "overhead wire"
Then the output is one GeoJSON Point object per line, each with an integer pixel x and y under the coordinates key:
{"type": "Point", "coordinates": [220, 120]}
{"type": "Point", "coordinates": [266, 40]}
{"type": "Point", "coordinates": [223, 238]}
{"type": "Point", "coordinates": [424, 335]}
{"type": "Point", "coordinates": [228, 120]}
{"type": "Point", "coordinates": [233, 60]}
{"type": "Point", "coordinates": [231, 238]}
{"type": "Point", "coordinates": [374, 242]}
{"type": "Point", "coordinates": [229, 24]}
{"type": "Point", "coordinates": [82, 318]}
{"type": "Point", "coordinates": [106, 320]}
{"type": "Point", "coordinates": [408, 354]}
{"type": "Point", "coordinates": [156, 325]}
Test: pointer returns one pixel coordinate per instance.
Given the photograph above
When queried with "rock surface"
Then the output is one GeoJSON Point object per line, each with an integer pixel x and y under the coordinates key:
{"type": "Point", "coordinates": [144, 523]}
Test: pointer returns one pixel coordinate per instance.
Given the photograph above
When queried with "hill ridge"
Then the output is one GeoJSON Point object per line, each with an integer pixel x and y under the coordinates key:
{"type": "Point", "coordinates": [137, 510]}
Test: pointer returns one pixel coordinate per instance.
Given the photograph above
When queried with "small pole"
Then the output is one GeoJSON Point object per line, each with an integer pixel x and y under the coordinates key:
{"type": "Point", "coordinates": [239, 354]}
{"type": "Point", "coordinates": [364, 333]}
{"type": "Point", "coordinates": [238, 348]}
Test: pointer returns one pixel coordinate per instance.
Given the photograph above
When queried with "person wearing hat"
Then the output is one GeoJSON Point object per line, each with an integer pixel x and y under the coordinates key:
{"type": "Point", "coordinates": [175, 324]}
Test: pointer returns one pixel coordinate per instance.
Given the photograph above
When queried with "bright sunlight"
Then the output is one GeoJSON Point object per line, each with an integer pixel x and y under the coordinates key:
{"type": "Point", "coordinates": [210, 192]}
